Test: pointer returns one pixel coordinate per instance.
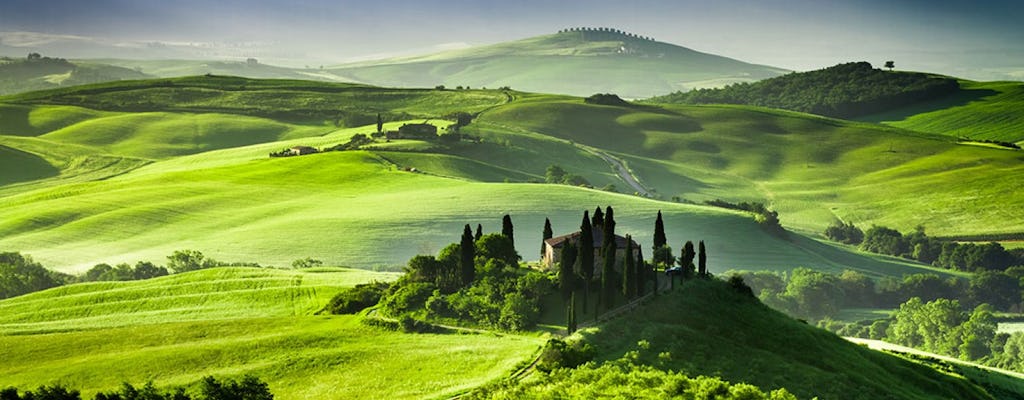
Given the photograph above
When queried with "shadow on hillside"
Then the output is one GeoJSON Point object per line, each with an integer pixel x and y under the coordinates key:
{"type": "Point", "coordinates": [14, 122]}
{"type": "Point", "coordinates": [839, 258]}
{"type": "Point", "coordinates": [18, 166]}
{"type": "Point", "coordinates": [960, 98]}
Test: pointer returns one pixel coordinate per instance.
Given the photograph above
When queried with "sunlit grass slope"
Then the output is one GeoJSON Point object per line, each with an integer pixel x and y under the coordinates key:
{"type": "Point", "coordinates": [218, 293]}
{"type": "Point", "coordinates": [811, 169]}
{"type": "Point", "coordinates": [981, 110]}
{"type": "Point", "coordinates": [351, 208]}
{"type": "Point", "coordinates": [706, 328]}
{"type": "Point", "coordinates": [234, 321]}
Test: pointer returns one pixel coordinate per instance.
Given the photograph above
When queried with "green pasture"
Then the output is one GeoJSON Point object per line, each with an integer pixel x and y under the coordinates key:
{"type": "Point", "coordinates": [228, 322]}
{"type": "Point", "coordinates": [812, 170]}
{"type": "Point", "coordinates": [355, 209]}
{"type": "Point", "coordinates": [981, 110]}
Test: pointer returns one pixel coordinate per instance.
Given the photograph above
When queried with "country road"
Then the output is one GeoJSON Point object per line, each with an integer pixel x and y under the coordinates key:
{"type": "Point", "coordinates": [621, 170]}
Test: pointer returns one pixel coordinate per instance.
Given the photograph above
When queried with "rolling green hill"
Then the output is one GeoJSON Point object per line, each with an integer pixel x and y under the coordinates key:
{"type": "Point", "coordinates": [842, 91]}
{"type": "Point", "coordinates": [24, 75]}
{"type": "Point", "coordinates": [811, 169]}
{"type": "Point", "coordinates": [577, 62]}
{"type": "Point", "coordinates": [980, 111]}
{"type": "Point", "coordinates": [126, 177]}
{"type": "Point", "coordinates": [705, 327]}
{"type": "Point", "coordinates": [233, 321]}
{"type": "Point", "coordinates": [169, 68]}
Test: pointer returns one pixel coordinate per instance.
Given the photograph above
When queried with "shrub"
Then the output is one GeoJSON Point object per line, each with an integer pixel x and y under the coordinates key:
{"type": "Point", "coordinates": [357, 299]}
{"type": "Point", "coordinates": [407, 298]}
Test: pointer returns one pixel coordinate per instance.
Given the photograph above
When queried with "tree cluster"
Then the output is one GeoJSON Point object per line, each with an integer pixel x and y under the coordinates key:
{"type": "Point", "coordinates": [606, 99]}
{"type": "Point", "coordinates": [842, 91]}
{"type": "Point", "coordinates": [209, 388]}
{"type": "Point", "coordinates": [764, 216]}
{"type": "Point", "coordinates": [556, 174]}
{"type": "Point", "coordinates": [624, 378]}
{"type": "Point", "coordinates": [844, 233]}
{"type": "Point", "coordinates": [920, 247]}
{"type": "Point", "coordinates": [21, 275]}
{"type": "Point", "coordinates": [817, 295]}
{"type": "Point", "coordinates": [123, 272]}
{"type": "Point", "coordinates": [477, 280]}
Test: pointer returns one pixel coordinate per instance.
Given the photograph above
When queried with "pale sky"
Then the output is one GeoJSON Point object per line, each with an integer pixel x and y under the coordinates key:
{"type": "Point", "coordinates": [972, 39]}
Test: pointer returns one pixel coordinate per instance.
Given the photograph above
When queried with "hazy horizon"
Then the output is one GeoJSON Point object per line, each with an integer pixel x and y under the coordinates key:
{"type": "Point", "coordinates": [976, 40]}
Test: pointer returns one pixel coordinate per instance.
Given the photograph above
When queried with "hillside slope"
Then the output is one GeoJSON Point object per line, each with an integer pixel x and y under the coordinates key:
{"type": "Point", "coordinates": [229, 322]}
{"type": "Point", "coordinates": [37, 73]}
{"type": "Point", "coordinates": [979, 111]}
{"type": "Point", "coordinates": [705, 327]}
{"type": "Point", "coordinates": [812, 170]}
{"type": "Point", "coordinates": [842, 91]}
{"type": "Point", "coordinates": [577, 62]}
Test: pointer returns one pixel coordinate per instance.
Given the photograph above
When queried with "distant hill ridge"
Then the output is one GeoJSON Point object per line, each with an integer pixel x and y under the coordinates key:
{"type": "Point", "coordinates": [842, 91]}
{"type": "Point", "coordinates": [576, 61]}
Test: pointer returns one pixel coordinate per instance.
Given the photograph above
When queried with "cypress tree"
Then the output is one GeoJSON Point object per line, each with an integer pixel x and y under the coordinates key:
{"type": "Point", "coordinates": [641, 274]}
{"type": "Point", "coordinates": [598, 220]}
{"type": "Point", "coordinates": [467, 255]}
{"type": "Point", "coordinates": [686, 259]}
{"type": "Point", "coordinates": [608, 240]}
{"type": "Point", "coordinates": [566, 275]}
{"type": "Point", "coordinates": [380, 124]}
{"type": "Point", "coordinates": [586, 256]}
{"type": "Point", "coordinates": [629, 271]}
{"type": "Point", "coordinates": [506, 228]}
{"type": "Point", "coordinates": [546, 235]}
{"type": "Point", "coordinates": [608, 247]}
{"type": "Point", "coordinates": [659, 236]}
{"type": "Point", "coordinates": [479, 232]}
{"type": "Point", "coordinates": [570, 325]}
{"type": "Point", "coordinates": [607, 272]}
{"type": "Point", "coordinates": [702, 260]}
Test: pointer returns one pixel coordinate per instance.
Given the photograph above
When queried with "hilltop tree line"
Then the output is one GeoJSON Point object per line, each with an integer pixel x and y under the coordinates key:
{"type": "Point", "coordinates": [842, 91]}
{"type": "Point", "coordinates": [208, 388]}
{"type": "Point", "coordinates": [20, 274]}
{"type": "Point", "coordinates": [603, 33]}
{"type": "Point", "coordinates": [918, 246]}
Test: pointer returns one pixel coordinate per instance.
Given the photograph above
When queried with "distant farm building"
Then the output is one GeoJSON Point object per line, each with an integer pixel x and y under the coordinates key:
{"type": "Point", "coordinates": [302, 150]}
{"type": "Point", "coordinates": [553, 249]}
{"type": "Point", "coordinates": [417, 131]}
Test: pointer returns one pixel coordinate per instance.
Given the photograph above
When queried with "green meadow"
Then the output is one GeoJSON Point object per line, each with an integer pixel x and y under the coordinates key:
{"type": "Point", "coordinates": [235, 321]}
{"type": "Point", "coordinates": [981, 110]}
{"type": "Point", "coordinates": [130, 171]}
{"type": "Point", "coordinates": [108, 185]}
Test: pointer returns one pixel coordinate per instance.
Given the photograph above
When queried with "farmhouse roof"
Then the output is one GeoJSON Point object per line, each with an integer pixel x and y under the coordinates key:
{"type": "Point", "coordinates": [302, 148]}
{"type": "Point", "coordinates": [558, 241]}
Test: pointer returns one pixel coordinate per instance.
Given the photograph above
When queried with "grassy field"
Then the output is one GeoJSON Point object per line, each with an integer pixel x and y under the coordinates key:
{"type": "Point", "coordinates": [812, 170]}
{"type": "Point", "coordinates": [982, 110]}
{"type": "Point", "coordinates": [261, 210]}
{"type": "Point", "coordinates": [234, 321]}
{"type": "Point", "coordinates": [119, 186]}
